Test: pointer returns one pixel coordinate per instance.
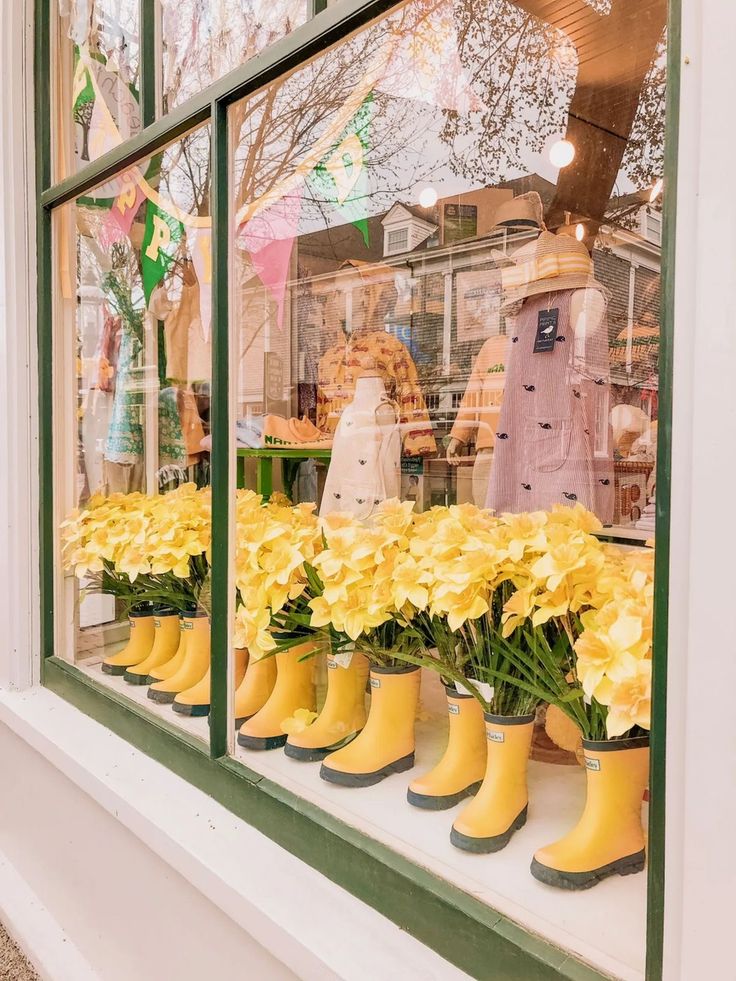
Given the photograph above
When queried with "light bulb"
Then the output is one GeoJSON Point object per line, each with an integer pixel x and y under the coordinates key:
{"type": "Point", "coordinates": [428, 197]}
{"type": "Point", "coordinates": [561, 154]}
{"type": "Point", "coordinates": [656, 190]}
{"type": "Point", "coordinates": [580, 231]}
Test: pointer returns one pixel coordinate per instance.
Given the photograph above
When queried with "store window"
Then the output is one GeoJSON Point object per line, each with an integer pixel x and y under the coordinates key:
{"type": "Point", "coordinates": [445, 322]}
{"type": "Point", "coordinates": [443, 241]}
{"type": "Point", "coordinates": [132, 344]}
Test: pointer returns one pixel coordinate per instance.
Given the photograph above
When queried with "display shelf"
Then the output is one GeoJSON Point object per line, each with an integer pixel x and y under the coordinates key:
{"type": "Point", "coordinates": [264, 457]}
{"type": "Point", "coordinates": [197, 727]}
{"type": "Point", "coordinates": [605, 926]}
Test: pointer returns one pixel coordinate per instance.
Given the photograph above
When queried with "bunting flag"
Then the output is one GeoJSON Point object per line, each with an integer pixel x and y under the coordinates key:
{"type": "Point", "coordinates": [269, 238]}
{"type": "Point", "coordinates": [120, 217]}
{"type": "Point", "coordinates": [200, 244]}
{"type": "Point", "coordinates": [160, 238]}
{"type": "Point", "coordinates": [341, 177]}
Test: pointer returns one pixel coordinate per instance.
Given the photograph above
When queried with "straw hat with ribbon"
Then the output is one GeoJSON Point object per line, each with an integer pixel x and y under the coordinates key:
{"type": "Point", "coordinates": [551, 263]}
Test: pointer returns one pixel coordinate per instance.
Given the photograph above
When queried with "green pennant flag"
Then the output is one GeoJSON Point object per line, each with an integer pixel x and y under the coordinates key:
{"type": "Point", "coordinates": [160, 237]}
{"type": "Point", "coordinates": [341, 177]}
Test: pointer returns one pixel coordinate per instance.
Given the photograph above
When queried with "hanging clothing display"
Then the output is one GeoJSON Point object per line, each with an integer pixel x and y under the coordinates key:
{"type": "Point", "coordinates": [188, 353]}
{"type": "Point", "coordinates": [477, 417]}
{"type": "Point", "coordinates": [365, 467]}
{"type": "Point", "coordinates": [553, 441]}
{"type": "Point", "coordinates": [342, 365]}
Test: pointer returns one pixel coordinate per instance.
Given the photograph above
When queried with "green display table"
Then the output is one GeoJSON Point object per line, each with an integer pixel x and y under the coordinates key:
{"type": "Point", "coordinates": [264, 464]}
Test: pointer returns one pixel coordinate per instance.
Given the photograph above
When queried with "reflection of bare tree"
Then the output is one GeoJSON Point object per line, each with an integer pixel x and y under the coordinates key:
{"type": "Point", "coordinates": [615, 56]}
{"type": "Point", "coordinates": [522, 70]}
{"type": "Point", "coordinates": [278, 127]}
{"type": "Point", "coordinates": [594, 70]}
{"type": "Point", "coordinates": [202, 40]}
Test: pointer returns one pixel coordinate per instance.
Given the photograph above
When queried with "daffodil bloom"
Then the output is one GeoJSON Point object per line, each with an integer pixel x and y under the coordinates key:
{"type": "Point", "coordinates": [298, 722]}
{"type": "Point", "coordinates": [629, 699]}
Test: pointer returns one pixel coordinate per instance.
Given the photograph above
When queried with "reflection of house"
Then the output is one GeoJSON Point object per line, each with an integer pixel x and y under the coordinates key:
{"type": "Point", "coordinates": [430, 277]}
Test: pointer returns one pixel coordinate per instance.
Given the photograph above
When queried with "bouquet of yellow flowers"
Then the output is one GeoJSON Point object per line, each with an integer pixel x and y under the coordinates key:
{"type": "Point", "coordinates": [577, 627]}
{"type": "Point", "coordinates": [372, 585]}
{"type": "Point", "coordinates": [275, 549]}
{"type": "Point", "coordinates": [142, 548]}
{"type": "Point", "coordinates": [533, 606]}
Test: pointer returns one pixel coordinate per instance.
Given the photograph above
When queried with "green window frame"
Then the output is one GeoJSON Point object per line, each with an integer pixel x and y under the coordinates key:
{"type": "Point", "coordinates": [465, 931]}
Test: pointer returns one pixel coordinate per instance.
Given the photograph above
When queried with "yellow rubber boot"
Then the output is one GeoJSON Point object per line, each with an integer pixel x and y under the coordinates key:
{"type": "Point", "coordinates": [195, 663]}
{"type": "Point", "coordinates": [343, 714]}
{"type": "Point", "coordinates": [460, 771]}
{"type": "Point", "coordinates": [139, 645]}
{"type": "Point", "coordinates": [609, 838]}
{"type": "Point", "coordinates": [166, 634]}
{"type": "Point", "coordinates": [386, 744]}
{"type": "Point", "coordinates": [255, 689]}
{"type": "Point", "coordinates": [294, 689]}
{"type": "Point", "coordinates": [169, 668]}
{"type": "Point", "coordinates": [500, 806]}
{"type": "Point", "coordinates": [195, 701]}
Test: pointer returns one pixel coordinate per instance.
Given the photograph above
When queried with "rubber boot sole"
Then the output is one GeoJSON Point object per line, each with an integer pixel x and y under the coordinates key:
{"type": "Point", "coordinates": [485, 846]}
{"type": "Point", "coordinates": [239, 722]}
{"type": "Point", "coordinates": [314, 755]}
{"type": "Point", "coordinates": [116, 670]}
{"type": "Point", "coordinates": [261, 742]}
{"type": "Point", "coordinates": [161, 697]}
{"type": "Point", "coordinates": [429, 802]}
{"type": "Point", "coordinates": [586, 880]}
{"type": "Point", "coordinates": [193, 711]}
{"type": "Point", "coordinates": [137, 679]}
{"type": "Point", "coordinates": [366, 779]}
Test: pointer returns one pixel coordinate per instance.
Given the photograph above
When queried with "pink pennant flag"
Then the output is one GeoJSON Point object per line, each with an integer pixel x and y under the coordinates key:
{"type": "Point", "coordinates": [269, 237]}
{"type": "Point", "coordinates": [120, 218]}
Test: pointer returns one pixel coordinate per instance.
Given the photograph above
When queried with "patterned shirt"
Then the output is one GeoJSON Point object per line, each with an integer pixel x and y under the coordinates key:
{"type": "Point", "coordinates": [344, 363]}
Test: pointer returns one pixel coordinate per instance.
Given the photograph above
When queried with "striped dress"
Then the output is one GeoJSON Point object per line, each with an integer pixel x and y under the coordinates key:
{"type": "Point", "coordinates": [554, 443]}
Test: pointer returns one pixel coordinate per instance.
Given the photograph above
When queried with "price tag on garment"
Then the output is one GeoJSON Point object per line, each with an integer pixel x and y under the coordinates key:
{"type": "Point", "coordinates": [546, 335]}
{"type": "Point", "coordinates": [343, 657]}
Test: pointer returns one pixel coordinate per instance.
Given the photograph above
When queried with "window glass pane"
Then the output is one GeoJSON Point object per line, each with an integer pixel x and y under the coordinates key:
{"type": "Point", "coordinates": [96, 79]}
{"type": "Point", "coordinates": [205, 39]}
{"type": "Point", "coordinates": [445, 283]}
{"type": "Point", "coordinates": [132, 341]}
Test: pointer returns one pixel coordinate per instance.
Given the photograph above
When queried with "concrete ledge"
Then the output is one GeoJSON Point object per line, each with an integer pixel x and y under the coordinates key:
{"type": "Point", "coordinates": [37, 932]}
{"type": "Point", "coordinates": [315, 928]}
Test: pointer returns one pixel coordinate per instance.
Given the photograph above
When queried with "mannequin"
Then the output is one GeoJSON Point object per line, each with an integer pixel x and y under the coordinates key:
{"type": "Point", "coordinates": [365, 467]}
{"type": "Point", "coordinates": [477, 419]}
{"type": "Point", "coordinates": [553, 442]}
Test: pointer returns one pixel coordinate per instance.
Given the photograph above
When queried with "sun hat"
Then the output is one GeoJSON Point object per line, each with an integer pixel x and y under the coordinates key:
{"type": "Point", "coordinates": [551, 263]}
{"type": "Point", "coordinates": [523, 211]}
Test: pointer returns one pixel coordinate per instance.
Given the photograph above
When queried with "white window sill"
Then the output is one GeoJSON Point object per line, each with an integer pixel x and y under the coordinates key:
{"type": "Point", "coordinates": [333, 934]}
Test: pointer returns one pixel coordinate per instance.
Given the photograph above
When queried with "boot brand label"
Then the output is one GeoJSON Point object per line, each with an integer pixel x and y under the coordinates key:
{"type": "Point", "coordinates": [132, 624]}
{"type": "Point", "coordinates": [375, 682]}
{"type": "Point", "coordinates": [496, 737]}
{"type": "Point", "coordinates": [156, 623]}
{"type": "Point", "coordinates": [331, 663]}
{"type": "Point", "coordinates": [592, 764]}
{"type": "Point", "coordinates": [187, 626]}
{"type": "Point", "coordinates": [453, 709]}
